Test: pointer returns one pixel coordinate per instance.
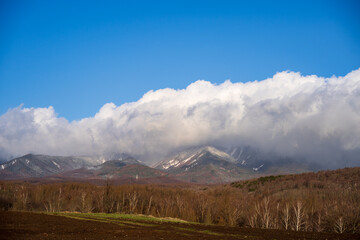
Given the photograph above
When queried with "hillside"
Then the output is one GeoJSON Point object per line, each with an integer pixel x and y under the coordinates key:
{"type": "Point", "coordinates": [32, 165]}
{"type": "Point", "coordinates": [128, 170]}
{"type": "Point", "coordinates": [326, 180]}
{"type": "Point", "coordinates": [204, 165]}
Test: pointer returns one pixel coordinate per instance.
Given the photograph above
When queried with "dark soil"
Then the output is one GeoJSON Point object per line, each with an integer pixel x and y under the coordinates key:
{"type": "Point", "coordinates": [27, 225]}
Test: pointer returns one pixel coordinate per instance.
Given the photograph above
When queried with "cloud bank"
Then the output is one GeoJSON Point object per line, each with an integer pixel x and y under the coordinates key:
{"type": "Point", "coordinates": [306, 117]}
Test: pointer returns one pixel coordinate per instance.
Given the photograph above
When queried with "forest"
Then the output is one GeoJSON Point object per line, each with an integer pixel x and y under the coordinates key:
{"type": "Point", "coordinates": [326, 201]}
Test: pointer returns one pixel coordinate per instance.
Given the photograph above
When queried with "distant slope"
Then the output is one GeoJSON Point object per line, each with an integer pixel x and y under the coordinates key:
{"type": "Point", "coordinates": [126, 170]}
{"type": "Point", "coordinates": [211, 165]}
{"type": "Point", "coordinates": [191, 157]}
{"type": "Point", "coordinates": [341, 178]}
{"type": "Point", "coordinates": [245, 156]}
{"type": "Point", "coordinates": [203, 165]}
{"type": "Point", "coordinates": [32, 165]}
{"type": "Point", "coordinates": [266, 164]}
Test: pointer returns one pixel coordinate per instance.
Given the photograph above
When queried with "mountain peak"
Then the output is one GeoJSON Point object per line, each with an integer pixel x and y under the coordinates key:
{"type": "Point", "coordinates": [217, 152]}
{"type": "Point", "coordinates": [193, 156]}
{"type": "Point", "coordinates": [130, 161]}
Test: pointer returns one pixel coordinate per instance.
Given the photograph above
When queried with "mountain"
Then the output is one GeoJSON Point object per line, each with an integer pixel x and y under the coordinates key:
{"type": "Point", "coordinates": [2, 160]}
{"type": "Point", "coordinates": [266, 164]}
{"type": "Point", "coordinates": [32, 165]}
{"type": "Point", "coordinates": [203, 165]}
{"type": "Point", "coordinates": [99, 159]}
{"type": "Point", "coordinates": [191, 157]}
{"type": "Point", "coordinates": [245, 156]}
{"type": "Point", "coordinates": [216, 165]}
{"type": "Point", "coordinates": [125, 170]}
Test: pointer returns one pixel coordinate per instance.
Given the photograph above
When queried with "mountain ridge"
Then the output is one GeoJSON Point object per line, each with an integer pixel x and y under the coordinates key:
{"type": "Point", "coordinates": [204, 164]}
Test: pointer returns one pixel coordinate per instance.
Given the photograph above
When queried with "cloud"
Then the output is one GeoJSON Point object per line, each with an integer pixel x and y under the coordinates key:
{"type": "Point", "coordinates": [305, 117]}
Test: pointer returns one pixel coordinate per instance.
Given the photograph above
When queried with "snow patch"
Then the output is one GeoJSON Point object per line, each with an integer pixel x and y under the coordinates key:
{"type": "Point", "coordinates": [233, 152]}
{"type": "Point", "coordinates": [257, 169]}
{"type": "Point", "coordinates": [188, 159]}
{"type": "Point", "coordinates": [217, 152]}
{"type": "Point", "coordinates": [171, 163]}
{"type": "Point", "coordinates": [57, 165]}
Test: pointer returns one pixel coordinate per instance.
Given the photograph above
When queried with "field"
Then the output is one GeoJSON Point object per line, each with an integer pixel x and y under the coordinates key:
{"type": "Point", "coordinates": [29, 225]}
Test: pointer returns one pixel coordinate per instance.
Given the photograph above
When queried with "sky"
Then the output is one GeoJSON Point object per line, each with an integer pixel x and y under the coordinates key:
{"type": "Point", "coordinates": [78, 55]}
{"type": "Point", "coordinates": [148, 77]}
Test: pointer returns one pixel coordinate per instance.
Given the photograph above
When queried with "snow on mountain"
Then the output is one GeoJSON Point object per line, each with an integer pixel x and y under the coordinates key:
{"type": "Point", "coordinates": [32, 165]}
{"type": "Point", "coordinates": [128, 168]}
{"type": "Point", "coordinates": [191, 157]}
{"type": "Point", "coordinates": [204, 165]}
{"type": "Point", "coordinates": [243, 155]}
{"type": "Point", "coordinates": [96, 160]}
{"type": "Point", "coordinates": [257, 168]}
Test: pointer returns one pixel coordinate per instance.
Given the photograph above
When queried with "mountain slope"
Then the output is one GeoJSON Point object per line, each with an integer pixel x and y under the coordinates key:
{"type": "Point", "coordinates": [245, 156]}
{"type": "Point", "coordinates": [203, 165]}
{"type": "Point", "coordinates": [115, 169]}
{"type": "Point", "coordinates": [340, 179]}
{"type": "Point", "coordinates": [190, 157]}
{"type": "Point", "coordinates": [32, 165]}
{"type": "Point", "coordinates": [199, 165]}
{"type": "Point", "coordinates": [267, 164]}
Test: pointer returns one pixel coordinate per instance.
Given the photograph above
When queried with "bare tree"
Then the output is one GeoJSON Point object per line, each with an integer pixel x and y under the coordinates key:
{"type": "Point", "coordinates": [299, 215]}
{"type": "Point", "coordinates": [266, 213]}
{"type": "Point", "coordinates": [340, 225]}
{"type": "Point", "coordinates": [149, 206]}
{"type": "Point", "coordinates": [58, 203]}
{"type": "Point", "coordinates": [234, 215]}
{"type": "Point", "coordinates": [109, 202]}
{"type": "Point", "coordinates": [286, 216]}
{"type": "Point", "coordinates": [23, 197]}
{"type": "Point", "coordinates": [276, 218]}
{"type": "Point", "coordinates": [252, 219]}
{"type": "Point", "coordinates": [133, 200]}
{"type": "Point", "coordinates": [262, 210]}
{"type": "Point", "coordinates": [319, 222]}
{"type": "Point", "coordinates": [86, 204]}
{"type": "Point", "coordinates": [201, 207]}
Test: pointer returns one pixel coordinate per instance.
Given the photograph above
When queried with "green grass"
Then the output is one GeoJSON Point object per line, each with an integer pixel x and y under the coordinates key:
{"type": "Point", "coordinates": [119, 217]}
{"type": "Point", "coordinates": [135, 221]}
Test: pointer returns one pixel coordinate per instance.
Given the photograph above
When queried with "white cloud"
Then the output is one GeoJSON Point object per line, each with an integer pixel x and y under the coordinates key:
{"type": "Point", "coordinates": [292, 115]}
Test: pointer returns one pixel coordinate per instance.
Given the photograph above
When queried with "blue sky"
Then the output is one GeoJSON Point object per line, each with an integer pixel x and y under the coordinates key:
{"type": "Point", "coordinates": [78, 55]}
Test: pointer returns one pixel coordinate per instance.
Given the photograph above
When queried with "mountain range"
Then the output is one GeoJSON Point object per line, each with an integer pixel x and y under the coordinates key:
{"type": "Point", "coordinates": [206, 165]}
